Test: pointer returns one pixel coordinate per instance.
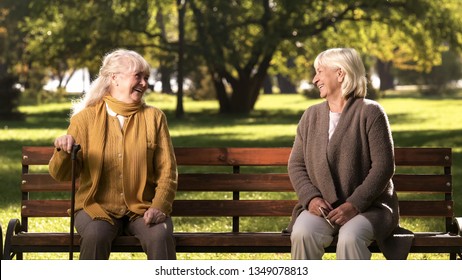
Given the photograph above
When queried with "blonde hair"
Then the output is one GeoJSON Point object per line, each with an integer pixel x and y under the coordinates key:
{"type": "Point", "coordinates": [349, 61]}
{"type": "Point", "coordinates": [118, 61]}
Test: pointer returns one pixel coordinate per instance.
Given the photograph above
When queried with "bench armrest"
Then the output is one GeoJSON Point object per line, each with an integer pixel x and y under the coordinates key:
{"type": "Point", "coordinates": [13, 228]}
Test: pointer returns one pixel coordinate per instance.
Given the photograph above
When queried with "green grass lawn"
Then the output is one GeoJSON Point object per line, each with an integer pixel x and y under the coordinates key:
{"type": "Point", "coordinates": [415, 121]}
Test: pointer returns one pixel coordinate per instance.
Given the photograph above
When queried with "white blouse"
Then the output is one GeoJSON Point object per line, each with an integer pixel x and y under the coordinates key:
{"type": "Point", "coordinates": [333, 121]}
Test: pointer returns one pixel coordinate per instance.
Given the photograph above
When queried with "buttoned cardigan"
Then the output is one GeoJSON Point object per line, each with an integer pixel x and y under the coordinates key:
{"type": "Point", "coordinates": [356, 165]}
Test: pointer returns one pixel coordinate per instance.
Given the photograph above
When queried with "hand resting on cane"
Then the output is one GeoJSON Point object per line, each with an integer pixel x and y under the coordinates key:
{"type": "Point", "coordinates": [65, 143]}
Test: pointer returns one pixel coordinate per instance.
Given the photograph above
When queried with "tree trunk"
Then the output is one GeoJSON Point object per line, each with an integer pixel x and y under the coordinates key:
{"type": "Point", "coordinates": [165, 68]}
{"type": "Point", "coordinates": [179, 105]}
{"type": "Point", "coordinates": [245, 89]}
{"type": "Point", "coordinates": [285, 85]}
{"type": "Point", "coordinates": [222, 96]}
{"type": "Point", "coordinates": [243, 97]}
{"type": "Point", "coordinates": [165, 75]}
{"type": "Point", "coordinates": [267, 85]}
{"type": "Point", "coordinates": [284, 82]}
{"type": "Point", "coordinates": [238, 102]}
{"type": "Point", "coordinates": [385, 75]}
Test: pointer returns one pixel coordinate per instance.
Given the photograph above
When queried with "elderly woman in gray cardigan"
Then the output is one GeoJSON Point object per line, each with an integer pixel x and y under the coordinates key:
{"type": "Point", "coordinates": [341, 164]}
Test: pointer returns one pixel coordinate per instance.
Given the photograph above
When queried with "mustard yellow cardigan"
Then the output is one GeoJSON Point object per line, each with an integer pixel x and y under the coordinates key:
{"type": "Point", "coordinates": [161, 179]}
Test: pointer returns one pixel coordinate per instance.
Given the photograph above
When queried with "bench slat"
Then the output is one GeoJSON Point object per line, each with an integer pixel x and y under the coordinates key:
{"type": "Point", "coordinates": [423, 156]}
{"type": "Point", "coordinates": [194, 208]}
{"type": "Point", "coordinates": [218, 208]}
{"type": "Point", "coordinates": [423, 183]}
{"type": "Point", "coordinates": [187, 242]}
{"type": "Point", "coordinates": [191, 156]}
{"type": "Point", "coordinates": [242, 208]}
{"type": "Point", "coordinates": [186, 182]}
{"type": "Point", "coordinates": [426, 208]}
{"type": "Point", "coordinates": [43, 182]}
{"type": "Point", "coordinates": [233, 156]}
{"type": "Point", "coordinates": [38, 155]}
{"type": "Point", "coordinates": [45, 208]}
{"type": "Point", "coordinates": [235, 182]}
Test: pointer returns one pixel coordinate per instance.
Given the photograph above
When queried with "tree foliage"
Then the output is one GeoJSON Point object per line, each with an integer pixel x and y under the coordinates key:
{"type": "Point", "coordinates": [239, 41]}
{"type": "Point", "coordinates": [64, 34]}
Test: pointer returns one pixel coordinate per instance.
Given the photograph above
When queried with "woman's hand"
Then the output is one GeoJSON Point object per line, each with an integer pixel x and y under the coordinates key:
{"type": "Point", "coordinates": [64, 143]}
{"type": "Point", "coordinates": [316, 203]}
{"type": "Point", "coordinates": [342, 214]}
{"type": "Point", "coordinates": [154, 216]}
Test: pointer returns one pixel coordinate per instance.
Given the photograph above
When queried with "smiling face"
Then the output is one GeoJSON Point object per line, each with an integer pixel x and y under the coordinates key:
{"type": "Point", "coordinates": [328, 81]}
{"type": "Point", "coordinates": [124, 75]}
{"type": "Point", "coordinates": [129, 87]}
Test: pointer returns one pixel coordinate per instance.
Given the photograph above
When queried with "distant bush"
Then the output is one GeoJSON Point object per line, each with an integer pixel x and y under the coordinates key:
{"type": "Point", "coordinates": [311, 93]}
{"type": "Point", "coordinates": [439, 81]}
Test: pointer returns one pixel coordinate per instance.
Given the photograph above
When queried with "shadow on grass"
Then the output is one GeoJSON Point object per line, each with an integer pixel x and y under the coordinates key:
{"type": "Point", "coordinates": [428, 138]}
{"type": "Point", "coordinates": [412, 94]}
{"type": "Point", "coordinates": [404, 118]}
{"type": "Point", "coordinates": [49, 120]}
{"type": "Point", "coordinates": [211, 118]}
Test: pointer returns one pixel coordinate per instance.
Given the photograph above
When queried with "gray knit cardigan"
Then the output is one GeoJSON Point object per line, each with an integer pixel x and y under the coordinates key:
{"type": "Point", "coordinates": [355, 165]}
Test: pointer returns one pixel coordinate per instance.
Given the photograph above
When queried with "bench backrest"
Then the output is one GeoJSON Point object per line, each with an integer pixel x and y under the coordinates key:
{"type": "Point", "coordinates": [235, 178]}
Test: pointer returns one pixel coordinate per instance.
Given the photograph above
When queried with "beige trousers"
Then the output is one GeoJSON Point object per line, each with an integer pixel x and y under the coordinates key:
{"type": "Point", "coordinates": [311, 234]}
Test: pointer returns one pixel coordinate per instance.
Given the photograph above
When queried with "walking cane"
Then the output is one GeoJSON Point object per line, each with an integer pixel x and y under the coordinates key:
{"type": "Point", "coordinates": [75, 149]}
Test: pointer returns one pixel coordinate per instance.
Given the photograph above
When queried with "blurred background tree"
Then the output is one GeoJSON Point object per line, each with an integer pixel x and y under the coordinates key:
{"type": "Point", "coordinates": [231, 48]}
{"type": "Point", "coordinates": [11, 53]}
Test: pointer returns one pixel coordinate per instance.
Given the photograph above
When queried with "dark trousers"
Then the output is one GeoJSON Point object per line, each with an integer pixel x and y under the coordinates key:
{"type": "Point", "coordinates": [96, 237]}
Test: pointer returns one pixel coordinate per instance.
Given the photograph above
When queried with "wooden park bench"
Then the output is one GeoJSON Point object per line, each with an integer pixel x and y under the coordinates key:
{"type": "Point", "coordinates": [239, 186]}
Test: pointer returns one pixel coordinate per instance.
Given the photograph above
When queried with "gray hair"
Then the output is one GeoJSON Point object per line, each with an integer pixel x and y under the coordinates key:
{"type": "Point", "coordinates": [118, 61]}
{"type": "Point", "coordinates": [349, 61]}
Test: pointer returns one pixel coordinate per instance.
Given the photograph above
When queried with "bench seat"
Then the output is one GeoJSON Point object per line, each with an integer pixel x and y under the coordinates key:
{"type": "Point", "coordinates": [242, 242]}
{"type": "Point", "coordinates": [234, 183]}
